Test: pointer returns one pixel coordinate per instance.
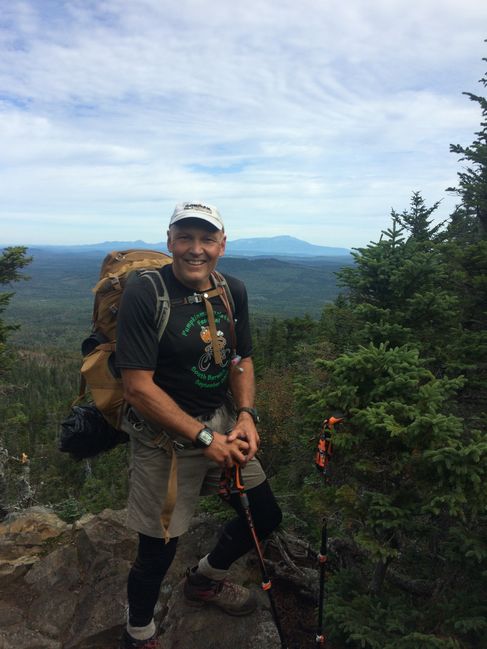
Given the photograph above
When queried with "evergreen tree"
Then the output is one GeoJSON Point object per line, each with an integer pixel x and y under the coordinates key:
{"type": "Point", "coordinates": [408, 498]}
{"type": "Point", "coordinates": [466, 250]}
{"type": "Point", "coordinates": [417, 219]}
{"type": "Point", "coordinates": [399, 288]}
{"type": "Point", "coordinates": [408, 502]}
{"type": "Point", "coordinates": [12, 260]}
{"type": "Point", "coordinates": [472, 185]}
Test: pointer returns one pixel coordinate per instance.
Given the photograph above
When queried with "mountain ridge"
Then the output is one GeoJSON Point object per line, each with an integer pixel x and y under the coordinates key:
{"type": "Point", "coordinates": [282, 245]}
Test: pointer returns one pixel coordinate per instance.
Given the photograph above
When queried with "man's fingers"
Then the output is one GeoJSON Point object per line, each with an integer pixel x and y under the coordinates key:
{"type": "Point", "coordinates": [238, 457]}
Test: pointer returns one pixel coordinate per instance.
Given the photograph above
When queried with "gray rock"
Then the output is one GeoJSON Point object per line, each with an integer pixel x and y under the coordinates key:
{"type": "Point", "coordinates": [14, 568]}
{"type": "Point", "coordinates": [59, 569]}
{"type": "Point", "coordinates": [33, 526]}
{"type": "Point", "coordinates": [26, 639]}
{"type": "Point", "coordinates": [64, 587]}
{"type": "Point", "coordinates": [52, 612]}
{"type": "Point", "coordinates": [188, 627]}
{"type": "Point", "coordinates": [9, 615]}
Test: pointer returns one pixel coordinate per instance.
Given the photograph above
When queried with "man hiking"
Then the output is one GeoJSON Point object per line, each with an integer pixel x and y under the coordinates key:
{"type": "Point", "coordinates": [191, 397]}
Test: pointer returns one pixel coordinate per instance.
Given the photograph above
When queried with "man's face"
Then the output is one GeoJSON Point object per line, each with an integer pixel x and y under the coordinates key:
{"type": "Point", "coordinates": [195, 249]}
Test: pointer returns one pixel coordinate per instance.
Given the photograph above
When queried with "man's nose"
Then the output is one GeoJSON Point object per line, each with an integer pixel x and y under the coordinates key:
{"type": "Point", "coordinates": [196, 247]}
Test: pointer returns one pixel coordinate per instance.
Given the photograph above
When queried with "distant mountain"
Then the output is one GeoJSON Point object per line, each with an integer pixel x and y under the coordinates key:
{"type": "Point", "coordinates": [103, 246]}
{"type": "Point", "coordinates": [281, 246]}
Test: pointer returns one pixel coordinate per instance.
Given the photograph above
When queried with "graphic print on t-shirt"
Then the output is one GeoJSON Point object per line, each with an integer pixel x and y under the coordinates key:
{"type": "Point", "coordinates": [205, 358]}
{"type": "Point", "coordinates": [204, 378]}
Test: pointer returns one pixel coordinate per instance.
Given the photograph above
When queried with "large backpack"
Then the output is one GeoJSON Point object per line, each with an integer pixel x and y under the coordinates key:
{"type": "Point", "coordinates": [99, 374]}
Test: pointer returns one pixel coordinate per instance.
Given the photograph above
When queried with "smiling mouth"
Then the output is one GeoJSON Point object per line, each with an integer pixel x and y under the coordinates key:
{"type": "Point", "coordinates": [195, 262]}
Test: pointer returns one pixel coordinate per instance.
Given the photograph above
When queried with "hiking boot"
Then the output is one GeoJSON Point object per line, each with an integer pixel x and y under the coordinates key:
{"type": "Point", "coordinates": [127, 642]}
{"type": "Point", "coordinates": [230, 597]}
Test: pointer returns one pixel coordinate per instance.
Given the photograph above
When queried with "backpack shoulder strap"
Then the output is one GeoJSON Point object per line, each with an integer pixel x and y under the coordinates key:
{"type": "Point", "coordinates": [163, 303]}
{"type": "Point", "coordinates": [219, 280]}
{"type": "Point", "coordinates": [227, 299]}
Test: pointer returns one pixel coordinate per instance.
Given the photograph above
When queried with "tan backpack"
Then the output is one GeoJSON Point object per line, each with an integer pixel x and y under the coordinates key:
{"type": "Point", "coordinates": [99, 375]}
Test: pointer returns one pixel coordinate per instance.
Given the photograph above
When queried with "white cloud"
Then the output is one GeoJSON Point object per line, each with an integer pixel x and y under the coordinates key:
{"type": "Point", "coordinates": [293, 117]}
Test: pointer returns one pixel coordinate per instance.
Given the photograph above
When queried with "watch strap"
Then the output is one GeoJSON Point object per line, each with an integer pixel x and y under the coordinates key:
{"type": "Point", "coordinates": [204, 438]}
{"type": "Point", "coordinates": [251, 411]}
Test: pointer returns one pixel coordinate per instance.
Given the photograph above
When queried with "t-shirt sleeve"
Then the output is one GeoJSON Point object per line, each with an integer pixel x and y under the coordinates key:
{"type": "Point", "coordinates": [137, 339]}
{"type": "Point", "coordinates": [242, 325]}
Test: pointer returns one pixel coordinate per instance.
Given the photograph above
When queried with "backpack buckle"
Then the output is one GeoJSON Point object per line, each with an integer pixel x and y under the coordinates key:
{"type": "Point", "coordinates": [136, 423]}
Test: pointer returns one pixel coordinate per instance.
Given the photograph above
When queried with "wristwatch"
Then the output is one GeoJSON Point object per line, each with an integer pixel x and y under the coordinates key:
{"type": "Point", "coordinates": [252, 412]}
{"type": "Point", "coordinates": [204, 438]}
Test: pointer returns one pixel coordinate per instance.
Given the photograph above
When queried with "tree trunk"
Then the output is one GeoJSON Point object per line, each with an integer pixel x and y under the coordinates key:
{"type": "Point", "coordinates": [379, 576]}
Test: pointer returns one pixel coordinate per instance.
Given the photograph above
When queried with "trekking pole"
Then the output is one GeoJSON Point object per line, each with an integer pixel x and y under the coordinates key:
{"type": "Point", "coordinates": [322, 559]}
{"type": "Point", "coordinates": [266, 582]}
{"type": "Point", "coordinates": [322, 460]}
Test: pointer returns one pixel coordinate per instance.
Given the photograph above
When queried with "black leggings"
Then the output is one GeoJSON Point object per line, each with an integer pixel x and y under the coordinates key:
{"type": "Point", "coordinates": [154, 556]}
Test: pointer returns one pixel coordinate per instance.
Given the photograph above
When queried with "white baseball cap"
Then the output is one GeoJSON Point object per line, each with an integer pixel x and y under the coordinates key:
{"type": "Point", "coordinates": [197, 210]}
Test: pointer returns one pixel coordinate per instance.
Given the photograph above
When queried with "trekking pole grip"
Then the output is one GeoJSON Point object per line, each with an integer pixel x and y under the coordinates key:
{"type": "Point", "coordinates": [238, 479]}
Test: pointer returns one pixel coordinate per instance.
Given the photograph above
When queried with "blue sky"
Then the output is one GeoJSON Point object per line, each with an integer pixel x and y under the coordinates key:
{"type": "Point", "coordinates": [310, 118]}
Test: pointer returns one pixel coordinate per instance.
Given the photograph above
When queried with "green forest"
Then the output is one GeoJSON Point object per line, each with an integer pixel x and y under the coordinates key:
{"type": "Point", "coordinates": [54, 307]}
{"type": "Point", "coordinates": [401, 353]}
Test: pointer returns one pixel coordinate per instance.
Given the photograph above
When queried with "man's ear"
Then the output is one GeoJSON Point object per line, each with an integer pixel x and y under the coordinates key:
{"type": "Point", "coordinates": [168, 244]}
{"type": "Point", "coordinates": [223, 244]}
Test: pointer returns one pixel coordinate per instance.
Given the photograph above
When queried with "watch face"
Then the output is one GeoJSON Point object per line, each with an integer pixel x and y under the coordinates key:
{"type": "Point", "coordinates": [254, 414]}
{"type": "Point", "coordinates": [205, 437]}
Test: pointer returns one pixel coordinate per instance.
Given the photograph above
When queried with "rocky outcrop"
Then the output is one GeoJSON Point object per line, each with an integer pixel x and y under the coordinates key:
{"type": "Point", "coordinates": [63, 587]}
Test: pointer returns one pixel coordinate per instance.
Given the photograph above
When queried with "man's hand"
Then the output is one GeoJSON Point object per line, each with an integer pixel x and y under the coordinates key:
{"type": "Point", "coordinates": [245, 430]}
{"type": "Point", "coordinates": [226, 452]}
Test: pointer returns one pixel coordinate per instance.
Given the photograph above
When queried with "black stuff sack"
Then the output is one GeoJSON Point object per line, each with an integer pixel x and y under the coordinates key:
{"type": "Point", "coordinates": [86, 433]}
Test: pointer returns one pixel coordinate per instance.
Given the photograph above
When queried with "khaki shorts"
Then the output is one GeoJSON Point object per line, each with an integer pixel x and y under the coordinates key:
{"type": "Point", "coordinates": [196, 476]}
